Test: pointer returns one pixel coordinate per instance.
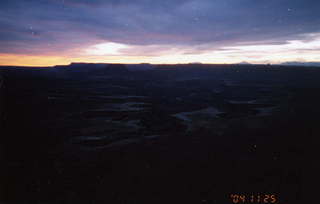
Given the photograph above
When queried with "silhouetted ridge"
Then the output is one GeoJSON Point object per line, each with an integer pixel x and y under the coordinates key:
{"type": "Point", "coordinates": [303, 64]}
{"type": "Point", "coordinates": [85, 69]}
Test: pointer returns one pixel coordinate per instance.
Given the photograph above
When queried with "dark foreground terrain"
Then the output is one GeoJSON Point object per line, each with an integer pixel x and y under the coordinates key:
{"type": "Point", "coordinates": [89, 133]}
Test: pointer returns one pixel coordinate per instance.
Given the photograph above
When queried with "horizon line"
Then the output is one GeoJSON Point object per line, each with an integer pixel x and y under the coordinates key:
{"type": "Point", "coordinates": [309, 64]}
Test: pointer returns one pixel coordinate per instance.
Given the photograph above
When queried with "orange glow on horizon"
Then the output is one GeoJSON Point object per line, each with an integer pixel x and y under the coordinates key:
{"type": "Point", "coordinates": [47, 61]}
{"type": "Point", "coordinates": [26, 60]}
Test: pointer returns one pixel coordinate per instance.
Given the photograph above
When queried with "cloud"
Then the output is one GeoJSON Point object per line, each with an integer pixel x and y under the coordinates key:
{"type": "Point", "coordinates": [153, 27]}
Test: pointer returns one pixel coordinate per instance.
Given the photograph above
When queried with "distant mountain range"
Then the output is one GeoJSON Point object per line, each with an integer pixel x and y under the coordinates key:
{"type": "Point", "coordinates": [106, 66]}
{"type": "Point", "coordinates": [294, 63]}
{"type": "Point", "coordinates": [307, 64]}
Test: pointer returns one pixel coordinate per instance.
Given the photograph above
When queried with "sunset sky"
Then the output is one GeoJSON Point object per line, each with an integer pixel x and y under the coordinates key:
{"type": "Point", "coordinates": [51, 32]}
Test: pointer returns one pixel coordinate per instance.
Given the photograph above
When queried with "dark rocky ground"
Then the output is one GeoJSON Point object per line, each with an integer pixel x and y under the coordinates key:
{"type": "Point", "coordinates": [171, 134]}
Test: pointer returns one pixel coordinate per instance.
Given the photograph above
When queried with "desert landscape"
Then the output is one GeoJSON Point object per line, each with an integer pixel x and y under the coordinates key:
{"type": "Point", "coordinates": [188, 133]}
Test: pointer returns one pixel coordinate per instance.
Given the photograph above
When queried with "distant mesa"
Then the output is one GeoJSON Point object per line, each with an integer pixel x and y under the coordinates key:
{"type": "Point", "coordinates": [304, 64]}
{"type": "Point", "coordinates": [84, 69]}
{"type": "Point", "coordinates": [244, 63]}
{"type": "Point", "coordinates": [88, 67]}
{"type": "Point", "coordinates": [80, 65]}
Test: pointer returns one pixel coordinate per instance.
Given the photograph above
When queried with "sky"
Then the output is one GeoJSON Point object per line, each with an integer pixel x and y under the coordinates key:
{"type": "Point", "coordinates": [51, 32]}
